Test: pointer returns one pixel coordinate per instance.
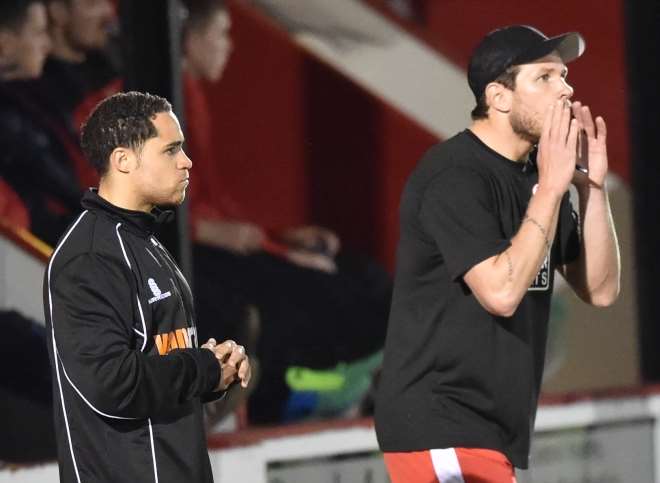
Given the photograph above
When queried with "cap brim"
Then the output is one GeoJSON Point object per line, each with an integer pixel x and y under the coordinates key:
{"type": "Point", "coordinates": [569, 46]}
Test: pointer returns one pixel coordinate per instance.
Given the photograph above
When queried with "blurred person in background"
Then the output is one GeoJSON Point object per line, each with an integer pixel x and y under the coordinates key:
{"type": "Point", "coordinates": [25, 386]}
{"type": "Point", "coordinates": [24, 40]}
{"type": "Point", "coordinates": [322, 304]}
{"type": "Point", "coordinates": [47, 109]}
{"type": "Point", "coordinates": [82, 58]}
{"type": "Point", "coordinates": [24, 44]}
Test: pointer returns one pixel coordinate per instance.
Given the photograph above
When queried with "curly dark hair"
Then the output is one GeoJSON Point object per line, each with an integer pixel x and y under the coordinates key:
{"type": "Point", "coordinates": [13, 13]}
{"type": "Point", "coordinates": [121, 120]}
{"type": "Point", "coordinates": [507, 79]}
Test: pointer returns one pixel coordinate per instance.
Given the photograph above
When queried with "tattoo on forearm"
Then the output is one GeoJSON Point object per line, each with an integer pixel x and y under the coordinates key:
{"type": "Point", "coordinates": [510, 264]}
{"type": "Point", "coordinates": [540, 227]}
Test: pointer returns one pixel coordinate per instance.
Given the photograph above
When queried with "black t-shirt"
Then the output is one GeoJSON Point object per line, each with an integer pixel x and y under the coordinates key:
{"type": "Point", "coordinates": [455, 375]}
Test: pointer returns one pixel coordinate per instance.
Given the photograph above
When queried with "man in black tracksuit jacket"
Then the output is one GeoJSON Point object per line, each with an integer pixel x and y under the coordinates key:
{"type": "Point", "coordinates": [128, 376]}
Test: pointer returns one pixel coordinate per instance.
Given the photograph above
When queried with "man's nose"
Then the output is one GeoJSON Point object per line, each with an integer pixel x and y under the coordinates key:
{"type": "Point", "coordinates": [185, 162]}
{"type": "Point", "coordinates": [567, 89]}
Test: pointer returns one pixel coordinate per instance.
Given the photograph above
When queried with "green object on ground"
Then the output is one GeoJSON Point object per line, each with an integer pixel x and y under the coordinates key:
{"type": "Point", "coordinates": [337, 388]}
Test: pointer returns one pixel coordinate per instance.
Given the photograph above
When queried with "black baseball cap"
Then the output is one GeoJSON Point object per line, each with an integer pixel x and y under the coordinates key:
{"type": "Point", "coordinates": [515, 45]}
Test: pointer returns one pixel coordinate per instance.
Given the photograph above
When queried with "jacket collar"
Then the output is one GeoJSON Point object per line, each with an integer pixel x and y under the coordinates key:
{"type": "Point", "coordinates": [137, 221]}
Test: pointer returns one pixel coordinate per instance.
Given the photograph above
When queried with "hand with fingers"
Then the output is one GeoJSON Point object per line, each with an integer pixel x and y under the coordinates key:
{"type": "Point", "coordinates": [557, 148]}
{"type": "Point", "coordinates": [312, 239]}
{"type": "Point", "coordinates": [592, 147]}
{"type": "Point", "coordinates": [238, 237]}
{"type": "Point", "coordinates": [311, 260]}
{"type": "Point", "coordinates": [234, 363]}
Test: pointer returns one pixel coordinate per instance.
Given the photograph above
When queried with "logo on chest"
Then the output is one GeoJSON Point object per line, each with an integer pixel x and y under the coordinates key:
{"type": "Point", "coordinates": [542, 280]}
{"type": "Point", "coordinates": [158, 294]}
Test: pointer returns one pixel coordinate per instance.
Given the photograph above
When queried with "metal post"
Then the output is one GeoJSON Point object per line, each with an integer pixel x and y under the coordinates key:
{"type": "Point", "coordinates": [151, 48]}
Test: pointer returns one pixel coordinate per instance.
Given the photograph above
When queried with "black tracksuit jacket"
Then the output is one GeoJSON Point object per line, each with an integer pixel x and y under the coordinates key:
{"type": "Point", "coordinates": [128, 378]}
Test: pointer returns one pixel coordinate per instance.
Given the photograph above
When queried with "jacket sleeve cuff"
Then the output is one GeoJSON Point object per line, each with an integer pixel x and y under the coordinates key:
{"type": "Point", "coordinates": [211, 370]}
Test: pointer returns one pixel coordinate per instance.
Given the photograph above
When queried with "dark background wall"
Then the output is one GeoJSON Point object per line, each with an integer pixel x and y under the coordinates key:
{"type": "Point", "coordinates": [643, 48]}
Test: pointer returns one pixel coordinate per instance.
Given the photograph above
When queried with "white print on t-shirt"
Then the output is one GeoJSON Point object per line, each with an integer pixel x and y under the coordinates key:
{"type": "Point", "coordinates": [542, 280]}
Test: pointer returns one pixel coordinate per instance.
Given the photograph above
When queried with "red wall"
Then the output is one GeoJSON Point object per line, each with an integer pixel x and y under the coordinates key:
{"type": "Point", "coordinates": [258, 110]}
{"type": "Point", "coordinates": [454, 27]}
{"type": "Point", "coordinates": [297, 142]}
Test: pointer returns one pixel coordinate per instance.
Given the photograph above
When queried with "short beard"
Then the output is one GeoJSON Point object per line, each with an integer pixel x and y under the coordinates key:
{"type": "Point", "coordinates": [524, 127]}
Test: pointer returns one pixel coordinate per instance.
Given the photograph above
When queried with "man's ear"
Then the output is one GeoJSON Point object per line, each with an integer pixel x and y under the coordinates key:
{"type": "Point", "coordinates": [499, 97]}
{"type": "Point", "coordinates": [123, 160]}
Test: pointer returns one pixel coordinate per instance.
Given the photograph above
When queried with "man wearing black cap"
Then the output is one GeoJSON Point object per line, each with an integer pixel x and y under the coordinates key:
{"type": "Point", "coordinates": [484, 225]}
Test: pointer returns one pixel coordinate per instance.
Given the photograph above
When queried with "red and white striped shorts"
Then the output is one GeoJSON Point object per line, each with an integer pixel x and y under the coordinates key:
{"type": "Point", "coordinates": [450, 465]}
